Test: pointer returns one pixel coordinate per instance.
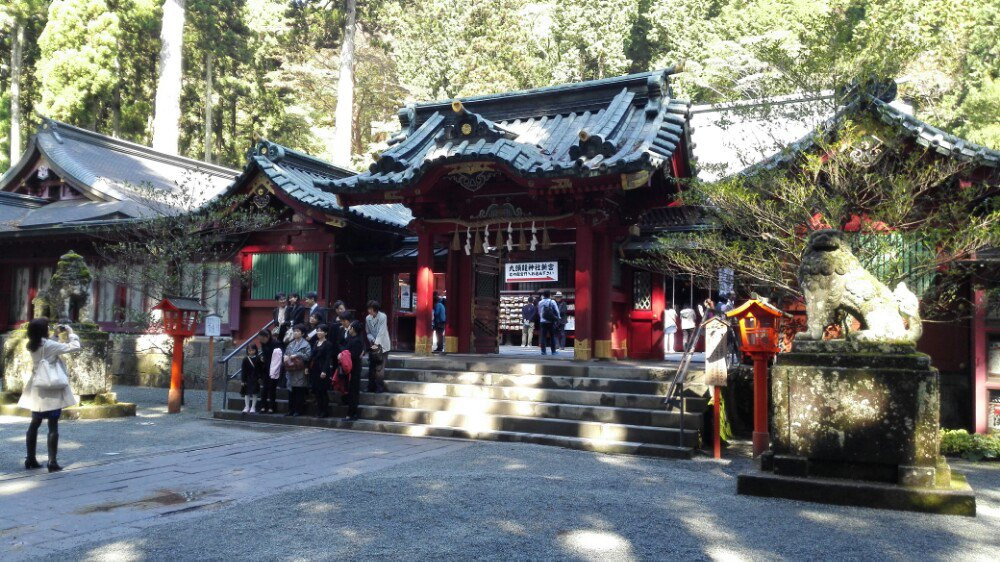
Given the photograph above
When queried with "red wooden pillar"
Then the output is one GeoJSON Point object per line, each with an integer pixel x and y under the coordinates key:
{"type": "Point", "coordinates": [601, 279]}
{"type": "Point", "coordinates": [658, 303]}
{"type": "Point", "coordinates": [452, 304]}
{"type": "Point", "coordinates": [980, 394]}
{"type": "Point", "coordinates": [176, 393]}
{"type": "Point", "coordinates": [425, 290]}
{"type": "Point", "coordinates": [463, 307]}
{"type": "Point", "coordinates": [583, 278]}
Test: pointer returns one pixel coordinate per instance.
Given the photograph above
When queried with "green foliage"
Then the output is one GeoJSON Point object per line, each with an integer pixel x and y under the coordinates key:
{"type": "Point", "coordinates": [973, 447]}
{"type": "Point", "coordinates": [79, 48]}
{"type": "Point", "coordinates": [157, 255]}
{"type": "Point", "coordinates": [864, 179]}
{"type": "Point", "coordinates": [93, 62]}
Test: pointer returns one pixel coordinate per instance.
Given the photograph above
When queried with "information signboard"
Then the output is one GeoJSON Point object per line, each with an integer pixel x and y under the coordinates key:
{"type": "Point", "coordinates": [531, 272]}
{"type": "Point", "coordinates": [213, 325]}
{"type": "Point", "coordinates": [716, 348]}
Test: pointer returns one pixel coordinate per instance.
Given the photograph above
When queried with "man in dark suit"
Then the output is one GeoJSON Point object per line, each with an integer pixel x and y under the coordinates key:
{"type": "Point", "coordinates": [314, 308]}
{"type": "Point", "coordinates": [296, 313]}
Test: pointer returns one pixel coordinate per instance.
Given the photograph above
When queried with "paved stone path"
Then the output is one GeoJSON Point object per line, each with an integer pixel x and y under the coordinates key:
{"type": "Point", "coordinates": [41, 513]}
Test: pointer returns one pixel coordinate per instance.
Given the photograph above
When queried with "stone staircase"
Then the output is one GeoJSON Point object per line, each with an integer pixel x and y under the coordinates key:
{"type": "Point", "coordinates": [611, 408]}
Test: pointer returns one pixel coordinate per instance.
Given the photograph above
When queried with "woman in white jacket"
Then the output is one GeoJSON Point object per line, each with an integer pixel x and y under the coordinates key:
{"type": "Point", "coordinates": [45, 403]}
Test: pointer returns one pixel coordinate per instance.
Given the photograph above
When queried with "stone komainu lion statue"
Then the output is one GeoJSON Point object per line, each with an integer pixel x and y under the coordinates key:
{"type": "Point", "coordinates": [834, 281]}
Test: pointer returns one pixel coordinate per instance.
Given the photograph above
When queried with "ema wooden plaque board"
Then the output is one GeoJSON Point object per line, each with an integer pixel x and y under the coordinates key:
{"type": "Point", "coordinates": [716, 348]}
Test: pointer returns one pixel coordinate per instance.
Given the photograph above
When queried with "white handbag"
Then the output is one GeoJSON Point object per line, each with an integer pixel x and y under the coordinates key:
{"type": "Point", "coordinates": [50, 375]}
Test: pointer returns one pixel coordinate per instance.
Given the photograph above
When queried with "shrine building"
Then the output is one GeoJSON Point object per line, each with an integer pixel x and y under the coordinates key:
{"type": "Point", "coordinates": [536, 190]}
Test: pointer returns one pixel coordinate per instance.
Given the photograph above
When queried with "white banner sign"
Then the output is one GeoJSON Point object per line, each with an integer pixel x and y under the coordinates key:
{"type": "Point", "coordinates": [532, 272]}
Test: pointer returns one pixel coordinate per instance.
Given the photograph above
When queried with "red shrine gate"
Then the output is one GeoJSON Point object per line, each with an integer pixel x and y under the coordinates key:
{"type": "Point", "coordinates": [562, 171]}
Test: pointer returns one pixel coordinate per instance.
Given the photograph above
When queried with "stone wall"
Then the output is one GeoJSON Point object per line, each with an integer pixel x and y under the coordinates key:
{"type": "Point", "coordinates": [145, 360]}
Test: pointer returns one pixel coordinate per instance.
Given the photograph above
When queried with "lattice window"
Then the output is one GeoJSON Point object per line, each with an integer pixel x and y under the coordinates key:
{"type": "Point", "coordinates": [642, 290]}
{"type": "Point", "coordinates": [374, 291]}
{"type": "Point", "coordinates": [486, 285]}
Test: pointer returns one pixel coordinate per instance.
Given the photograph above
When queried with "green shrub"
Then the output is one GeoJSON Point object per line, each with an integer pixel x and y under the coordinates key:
{"type": "Point", "coordinates": [973, 447]}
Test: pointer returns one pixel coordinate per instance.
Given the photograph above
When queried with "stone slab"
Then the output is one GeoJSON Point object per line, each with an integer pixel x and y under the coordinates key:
{"type": "Point", "coordinates": [957, 499]}
{"type": "Point", "coordinates": [90, 412]}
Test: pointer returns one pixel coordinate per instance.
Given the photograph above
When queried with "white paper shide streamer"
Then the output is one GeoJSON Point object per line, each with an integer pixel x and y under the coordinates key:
{"type": "Point", "coordinates": [468, 240]}
{"type": "Point", "coordinates": [534, 236]}
{"type": "Point", "coordinates": [510, 237]}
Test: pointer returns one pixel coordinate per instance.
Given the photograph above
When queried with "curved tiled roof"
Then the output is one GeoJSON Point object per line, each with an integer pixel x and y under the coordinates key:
{"type": "Point", "coordinates": [113, 175]}
{"type": "Point", "coordinates": [110, 169]}
{"type": "Point", "coordinates": [616, 125]}
{"type": "Point", "coordinates": [924, 134]}
{"type": "Point", "coordinates": [299, 176]}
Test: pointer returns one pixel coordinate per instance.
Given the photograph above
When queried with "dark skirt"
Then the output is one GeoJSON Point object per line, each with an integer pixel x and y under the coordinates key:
{"type": "Point", "coordinates": [48, 415]}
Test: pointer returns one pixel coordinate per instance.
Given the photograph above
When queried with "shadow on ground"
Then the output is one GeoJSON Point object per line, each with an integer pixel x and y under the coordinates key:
{"type": "Point", "coordinates": [511, 501]}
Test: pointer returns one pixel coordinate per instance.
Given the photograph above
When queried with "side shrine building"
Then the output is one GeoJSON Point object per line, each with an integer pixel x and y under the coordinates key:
{"type": "Point", "coordinates": [484, 200]}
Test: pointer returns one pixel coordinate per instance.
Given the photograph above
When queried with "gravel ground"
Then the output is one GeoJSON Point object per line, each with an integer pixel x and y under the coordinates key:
{"type": "Point", "coordinates": [513, 501]}
{"type": "Point", "coordinates": [152, 430]}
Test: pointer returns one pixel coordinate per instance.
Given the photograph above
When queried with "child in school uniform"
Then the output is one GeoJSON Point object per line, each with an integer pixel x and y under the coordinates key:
{"type": "Point", "coordinates": [253, 370]}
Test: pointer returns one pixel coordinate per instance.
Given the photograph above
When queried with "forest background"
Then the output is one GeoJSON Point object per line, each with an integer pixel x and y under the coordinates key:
{"type": "Point", "coordinates": [278, 69]}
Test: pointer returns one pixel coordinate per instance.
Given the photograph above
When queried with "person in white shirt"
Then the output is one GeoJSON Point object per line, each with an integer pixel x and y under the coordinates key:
{"type": "Point", "coordinates": [669, 329]}
{"type": "Point", "coordinates": [46, 403]}
{"type": "Point", "coordinates": [377, 329]}
{"type": "Point", "coordinates": [688, 324]}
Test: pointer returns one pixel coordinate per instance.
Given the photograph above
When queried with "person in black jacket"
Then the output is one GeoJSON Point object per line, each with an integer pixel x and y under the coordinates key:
{"type": "Point", "coordinates": [252, 371]}
{"type": "Point", "coordinates": [269, 386]}
{"type": "Point", "coordinates": [356, 345]}
{"type": "Point", "coordinates": [321, 369]}
{"type": "Point", "coordinates": [295, 315]}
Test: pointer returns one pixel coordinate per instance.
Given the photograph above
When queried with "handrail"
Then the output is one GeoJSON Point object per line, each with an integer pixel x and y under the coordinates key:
{"type": "Point", "coordinates": [225, 360]}
{"type": "Point", "coordinates": [243, 345]}
{"type": "Point", "coordinates": [680, 378]}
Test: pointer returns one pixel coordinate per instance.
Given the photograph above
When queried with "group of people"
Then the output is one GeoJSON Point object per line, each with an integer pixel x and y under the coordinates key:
{"type": "Point", "coordinates": [549, 313]}
{"type": "Point", "coordinates": [303, 351]}
{"type": "Point", "coordinates": [686, 319]}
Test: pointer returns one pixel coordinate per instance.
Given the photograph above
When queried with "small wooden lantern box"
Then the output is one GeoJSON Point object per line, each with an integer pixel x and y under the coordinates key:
{"type": "Point", "coordinates": [760, 326]}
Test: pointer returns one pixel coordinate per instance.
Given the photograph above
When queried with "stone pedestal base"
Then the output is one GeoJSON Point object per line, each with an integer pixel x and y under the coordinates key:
{"type": "Point", "coordinates": [955, 499]}
{"type": "Point", "coordinates": [860, 418]}
{"type": "Point", "coordinates": [89, 369]}
{"type": "Point", "coordinates": [97, 407]}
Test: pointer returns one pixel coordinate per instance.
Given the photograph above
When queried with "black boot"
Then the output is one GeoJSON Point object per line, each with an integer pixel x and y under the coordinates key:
{"type": "Point", "coordinates": [31, 461]}
{"type": "Point", "coordinates": [53, 450]}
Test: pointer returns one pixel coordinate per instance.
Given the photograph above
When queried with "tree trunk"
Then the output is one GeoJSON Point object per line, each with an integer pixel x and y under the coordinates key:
{"type": "Point", "coordinates": [345, 90]}
{"type": "Point", "coordinates": [17, 41]}
{"type": "Point", "coordinates": [116, 103]}
{"type": "Point", "coordinates": [208, 107]}
{"type": "Point", "coordinates": [167, 113]}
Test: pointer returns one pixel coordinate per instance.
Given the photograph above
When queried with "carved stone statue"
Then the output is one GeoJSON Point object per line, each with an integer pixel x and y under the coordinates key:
{"type": "Point", "coordinates": [835, 282]}
{"type": "Point", "coordinates": [69, 290]}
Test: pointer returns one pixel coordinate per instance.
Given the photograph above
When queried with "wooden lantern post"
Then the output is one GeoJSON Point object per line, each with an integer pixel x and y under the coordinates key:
{"type": "Point", "coordinates": [760, 328]}
{"type": "Point", "coordinates": [213, 329]}
{"type": "Point", "coordinates": [180, 318]}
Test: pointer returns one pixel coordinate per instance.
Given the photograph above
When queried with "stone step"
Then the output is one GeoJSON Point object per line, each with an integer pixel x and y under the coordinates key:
{"type": "Point", "coordinates": [475, 421]}
{"type": "Point", "coordinates": [476, 406]}
{"type": "Point", "coordinates": [593, 384]}
{"type": "Point", "coordinates": [402, 428]}
{"type": "Point", "coordinates": [694, 404]}
{"type": "Point", "coordinates": [574, 412]}
{"type": "Point", "coordinates": [523, 366]}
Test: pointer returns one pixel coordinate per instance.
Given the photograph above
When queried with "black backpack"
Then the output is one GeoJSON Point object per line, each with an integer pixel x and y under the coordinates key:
{"type": "Point", "coordinates": [549, 312]}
